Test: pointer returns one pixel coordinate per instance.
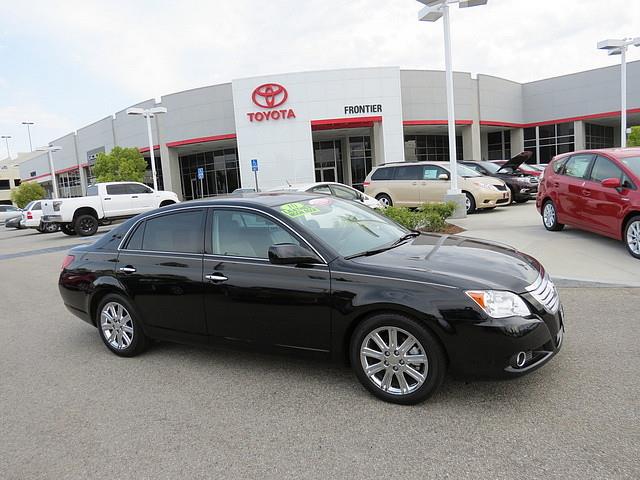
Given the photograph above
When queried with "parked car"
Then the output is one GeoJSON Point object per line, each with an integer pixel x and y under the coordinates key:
{"type": "Point", "coordinates": [523, 168]}
{"type": "Point", "coordinates": [595, 190]}
{"type": "Point", "coordinates": [412, 184]}
{"type": "Point", "coordinates": [32, 218]}
{"type": "Point", "coordinates": [523, 187]}
{"type": "Point", "coordinates": [313, 273]}
{"type": "Point", "coordinates": [7, 212]}
{"type": "Point", "coordinates": [332, 188]}
{"type": "Point", "coordinates": [104, 202]}
{"type": "Point", "coordinates": [239, 191]}
{"type": "Point", "coordinates": [15, 222]}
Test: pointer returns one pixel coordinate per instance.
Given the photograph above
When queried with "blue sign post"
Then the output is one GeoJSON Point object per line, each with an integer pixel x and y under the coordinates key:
{"type": "Point", "coordinates": [200, 177]}
{"type": "Point", "coordinates": [254, 168]}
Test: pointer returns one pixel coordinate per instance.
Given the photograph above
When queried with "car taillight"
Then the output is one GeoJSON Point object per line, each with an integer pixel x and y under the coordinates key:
{"type": "Point", "coordinates": [67, 261]}
{"type": "Point", "coordinates": [29, 215]}
{"type": "Point", "coordinates": [366, 184]}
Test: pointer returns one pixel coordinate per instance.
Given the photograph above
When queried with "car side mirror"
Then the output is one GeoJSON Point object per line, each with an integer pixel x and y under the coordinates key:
{"type": "Point", "coordinates": [291, 254]}
{"type": "Point", "coordinates": [611, 183]}
{"type": "Point", "coordinates": [443, 176]}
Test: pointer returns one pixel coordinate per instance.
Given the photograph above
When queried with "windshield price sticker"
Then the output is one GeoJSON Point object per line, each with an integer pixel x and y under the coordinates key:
{"type": "Point", "coordinates": [297, 209]}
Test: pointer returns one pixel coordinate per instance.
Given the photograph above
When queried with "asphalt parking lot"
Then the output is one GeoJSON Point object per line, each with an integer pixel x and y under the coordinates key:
{"type": "Point", "coordinates": [70, 409]}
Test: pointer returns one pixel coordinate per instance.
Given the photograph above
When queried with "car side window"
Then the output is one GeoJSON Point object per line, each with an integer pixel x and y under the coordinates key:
{"type": "Point", "coordinates": [604, 168]}
{"type": "Point", "coordinates": [411, 172]}
{"type": "Point", "coordinates": [135, 188]}
{"type": "Point", "coordinates": [346, 193]}
{"type": "Point", "coordinates": [578, 166]}
{"type": "Point", "coordinates": [323, 189]}
{"type": "Point", "coordinates": [3, 208]}
{"type": "Point", "coordinates": [432, 172]}
{"type": "Point", "coordinates": [36, 206]}
{"type": "Point", "coordinates": [135, 239]}
{"type": "Point", "coordinates": [383, 174]}
{"type": "Point", "coordinates": [245, 234]}
{"type": "Point", "coordinates": [118, 189]}
{"type": "Point", "coordinates": [180, 232]}
{"type": "Point", "coordinates": [558, 164]}
{"type": "Point", "coordinates": [475, 167]}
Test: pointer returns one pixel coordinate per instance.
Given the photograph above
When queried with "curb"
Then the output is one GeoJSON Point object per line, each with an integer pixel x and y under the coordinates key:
{"type": "Point", "coordinates": [568, 282]}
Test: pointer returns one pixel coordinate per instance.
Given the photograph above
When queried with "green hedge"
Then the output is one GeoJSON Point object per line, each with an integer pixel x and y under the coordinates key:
{"type": "Point", "coordinates": [429, 217]}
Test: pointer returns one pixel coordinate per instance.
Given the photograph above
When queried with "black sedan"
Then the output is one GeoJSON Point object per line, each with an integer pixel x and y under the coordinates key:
{"type": "Point", "coordinates": [523, 187]}
{"type": "Point", "coordinates": [307, 272]}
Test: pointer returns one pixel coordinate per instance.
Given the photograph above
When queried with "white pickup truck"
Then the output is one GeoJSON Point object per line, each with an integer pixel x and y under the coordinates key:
{"type": "Point", "coordinates": [104, 202]}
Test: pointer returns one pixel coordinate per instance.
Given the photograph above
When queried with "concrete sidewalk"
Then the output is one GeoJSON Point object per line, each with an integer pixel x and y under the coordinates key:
{"type": "Point", "coordinates": [571, 256]}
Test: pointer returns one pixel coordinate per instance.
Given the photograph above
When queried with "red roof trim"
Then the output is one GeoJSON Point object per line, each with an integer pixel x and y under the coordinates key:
{"type": "Point", "coordinates": [63, 170]}
{"type": "Point", "coordinates": [592, 116]}
{"type": "Point", "coordinates": [435, 122]}
{"type": "Point", "coordinates": [146, 149]}
{"type": "Point", "coordinates": [190, 141]}
{"type": "Point", "coordinates": [347, 122]}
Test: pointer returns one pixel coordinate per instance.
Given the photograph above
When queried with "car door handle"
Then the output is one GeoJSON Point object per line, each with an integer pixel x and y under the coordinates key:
{"type": "Point", "coordinates": [107, 198]}
{"type": "Point", "coordinates": [134, 196]}
{"type": "Point", "coordinates": [127, 269]}
{"type": "Point", "coordinates": [216, 277]}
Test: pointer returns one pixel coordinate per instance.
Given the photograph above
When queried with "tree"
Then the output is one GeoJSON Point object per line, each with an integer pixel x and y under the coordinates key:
{"type": "Point", "coordinates": [27, 192]}
{"type": "Point", "coordinates": [120, 165]}
{"type": "Point", "coordinates": [633, 140]}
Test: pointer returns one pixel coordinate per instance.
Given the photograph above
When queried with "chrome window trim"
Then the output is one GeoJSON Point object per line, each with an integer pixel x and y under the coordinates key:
{"type": "Point", "coordinates": [252, 260]}
{"type": "Point", "coordinates": [126, 236]}
{"type": "Point", "coordinates": [151, 253]}
{"type": "Point", "coordinates": [392, 278]}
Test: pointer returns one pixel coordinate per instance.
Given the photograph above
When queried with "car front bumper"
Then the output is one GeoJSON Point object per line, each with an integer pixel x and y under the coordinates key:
{"type": "Point", "coordinates": [51, 218]}
{"type": "Point", "coordinates": [491, 198]}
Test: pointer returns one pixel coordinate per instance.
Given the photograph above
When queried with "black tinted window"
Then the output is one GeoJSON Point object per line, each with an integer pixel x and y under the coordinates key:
{"type": "Point", "coordinates": [135, 188]}
{"type": "Point", "coordinates": [604, 168]}
{"type": "Point", "coordinates": [175, 232]}
{"type": "Point", "coordinates": [382, 174]}
{"type": "Point", "coordinates": [135, 240]}
{"type": "Point", "coordinates": [412, 172]}
{"type": "Point", "coordinates": [578, 165]}
{"type": "Point", "coordinates": [118, 189]}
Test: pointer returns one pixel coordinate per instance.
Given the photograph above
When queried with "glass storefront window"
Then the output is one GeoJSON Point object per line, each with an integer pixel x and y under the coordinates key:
{"type": "Point", "coordinates": [327, 156]}
{"type": "Point", "coordinates": [433, 148]}
{"type": "Point", "coordinates": [69, 184]}
{"type": "Point", "coordinates": [499, 145]}
{"type": "Point", "coordinates": [221, 173]}
{"type": "Point", "coordinates": [598, 136]}
{"type": "Point", "coordinates": [550, 141]}
{"type": "Point", "coordinates": [361, 159]}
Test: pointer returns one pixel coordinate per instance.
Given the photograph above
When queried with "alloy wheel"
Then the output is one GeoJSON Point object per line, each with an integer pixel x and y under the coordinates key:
{"type": "Point", "coordinates": [633, 237]}
{"type": "Point", "coordinates": [549, 215]}
{"type": "Point", "coordinates": [467, 203]}
{"type": "Point", "coordinates": [394, 360]}
{"type": "Point", "coordinates": [384, 201]}
{"type": "Point", "coordinates": [86, 224]}
{"type": "Point", "coordinates": [116, 325]}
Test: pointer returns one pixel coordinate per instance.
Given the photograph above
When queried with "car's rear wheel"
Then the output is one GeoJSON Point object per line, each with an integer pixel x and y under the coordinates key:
{"type": "Point", "coordinates": [469, 203]}
{"type": "Point", "coordinates": [385, 200]}
{"type": "Point", "coordinates": [67, 229]}
{"type": "Point", "coordinates": [85, 225]}
{"type": "Point", "coordinates": [550, 217]}
{"type": "Point", "coordinates": [48, 227]}
{"type": "Point", "coordinates": [397, 359]}
{"type": "Point", "coordinates": [632, 236]}
{"type": "Point", "coordinates": [119, 326]}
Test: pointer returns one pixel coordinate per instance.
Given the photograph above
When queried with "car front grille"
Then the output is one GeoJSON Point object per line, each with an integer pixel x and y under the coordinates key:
{"type": "Point", "coordinates": [545, 293]}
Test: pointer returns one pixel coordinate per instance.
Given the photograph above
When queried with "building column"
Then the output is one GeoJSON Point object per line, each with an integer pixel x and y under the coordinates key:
{"type": "Point", "coordinates": [579, 135]}
{"type": "Point", "coordinates": [471, 145]}
{"type": "Point", "coordinates": [170, 170]}
{"type": "Point", "coordinates": [377, 145]}
{"type": "Point", "coordinates": [517, 141]}
{"type": "Point", "coordinates": [346, 160]}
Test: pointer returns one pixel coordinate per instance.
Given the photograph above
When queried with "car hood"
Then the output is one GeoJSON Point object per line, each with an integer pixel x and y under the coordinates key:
{"type": "Point", "coordinates": [484, 180]}
{"type": "Point", "coordinates": [516, 161]}
{"type": "Point", "coordinates": [457, 261]}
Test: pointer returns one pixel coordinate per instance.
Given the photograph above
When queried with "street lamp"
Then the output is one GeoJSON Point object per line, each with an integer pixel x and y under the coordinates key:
{"type": "Point", "coordinates": [149, 113]}
{"type": "Point", "coordinates": [6, 139]}
{"type": "Point", "coordinates": [28, 124]}
{"type": "Point", "coordinates": [619, 47]}
{"type": "Point", "coordinates": [50, 149]}
{"type": "Point", "coordinates": [432, 12]}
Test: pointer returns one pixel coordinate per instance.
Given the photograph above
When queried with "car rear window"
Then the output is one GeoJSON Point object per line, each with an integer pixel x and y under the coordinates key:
{"type": "Point", "coordinates": [383, 174]}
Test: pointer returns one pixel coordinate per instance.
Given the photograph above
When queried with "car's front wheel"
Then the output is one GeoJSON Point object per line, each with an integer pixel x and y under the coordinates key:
{"type": "Point", "coordinates": [550, 217]}
{"type": "Point", "coordinates": [469, 203]}
{"type": "Point", "coordinates": [385, 200]}
{"type": "Point", "coordinates": [632, 236]}
{"type": "Point", "coordinates": [397, 359]}
{"type": "Point", "coordinates": [119, 326]}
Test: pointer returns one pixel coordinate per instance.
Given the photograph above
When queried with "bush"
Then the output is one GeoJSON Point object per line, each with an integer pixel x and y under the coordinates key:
{"type": "Point", "coordinates": [429, 217]}
{"type": "Point", "coordinates": [27, 192]}
{"type": "Point", "coordinates": [633, 140]}
{"type": "Point", "coordinates": [120, 165]}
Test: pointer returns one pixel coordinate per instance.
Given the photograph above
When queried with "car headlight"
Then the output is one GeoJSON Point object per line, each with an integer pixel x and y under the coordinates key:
{"type": "Point", "coordinates": [487, 186]}
{"type": "Point", "coordinates": [499, 304]}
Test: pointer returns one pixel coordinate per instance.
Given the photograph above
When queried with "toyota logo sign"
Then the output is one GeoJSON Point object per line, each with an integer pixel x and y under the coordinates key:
{"type": "Point", "coordinates": [269, 95]}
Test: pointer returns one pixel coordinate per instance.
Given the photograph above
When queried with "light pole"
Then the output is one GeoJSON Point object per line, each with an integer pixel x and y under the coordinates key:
{"type": "Point", "coordinates": [432, 12]}
{"type": "Point", "coordinates": [50, 149]}
{"type": "Point", "coordinates": [28, 124]}
{"type": "Point", "coordinates": [6, 139]}
{"type": "Point", "coordinates": [619, 47]}
{"type": "Point", "coordinates": [149, 113]}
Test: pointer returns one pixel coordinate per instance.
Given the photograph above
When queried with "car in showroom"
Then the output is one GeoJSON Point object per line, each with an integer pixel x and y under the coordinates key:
{"type": "Point", "coordinates": [523, 187]}
{"type": "Point", "coordinates": [594, 190]}
{"type": "Point", "coordinates": [333, 188]}
{"type": "Point", "coordinates": [313, 273]}
{"type": "Point", "coordinates": [412, 184]}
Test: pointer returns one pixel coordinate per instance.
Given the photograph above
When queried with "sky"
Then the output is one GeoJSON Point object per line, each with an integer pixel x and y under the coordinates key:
{"type": "Point", "coordinates": [68, 63]}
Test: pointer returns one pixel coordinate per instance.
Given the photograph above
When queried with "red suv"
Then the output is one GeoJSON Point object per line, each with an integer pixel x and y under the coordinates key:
{"type": "Point", "coordinates": [595, 190]}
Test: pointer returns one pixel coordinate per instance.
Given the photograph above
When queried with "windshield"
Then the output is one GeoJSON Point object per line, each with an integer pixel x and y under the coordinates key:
{"type": "Point", "coordinates": [345, 226]}
{"type": "Point", "coordinates": [633, 163]}
{"type": "Point", "coordinates": [467, 172]}
{"type": "Point", "coordinates": [491, 167]}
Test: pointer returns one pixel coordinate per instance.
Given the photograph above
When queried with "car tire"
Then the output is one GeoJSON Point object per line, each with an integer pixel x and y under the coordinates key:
{"type": "Point", "coordinates": [632, 236]}
{"type": "Point", "coordinates": [85, 225]}
{"type": "Point", "coordinates": [550, 217]}
{"type": "Point", "coordinates": [67, 229]}
{"type": "Point", "coordinates": [470, 203]}
{"type": "Point", "coordinates": [40, 229]}
{"type": "Point", "coordinates": [48, 227]}
{"type": "Point", "coordinates": [119, 326]}
{"type": "Point", "coordinates": [385, 370]}
{"type": "Point", "coordinates": [385, 200]}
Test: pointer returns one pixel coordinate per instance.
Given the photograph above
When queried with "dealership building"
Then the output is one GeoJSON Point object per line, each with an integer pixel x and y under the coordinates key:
{"type": "Point", "coordinates": [335, 125]}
